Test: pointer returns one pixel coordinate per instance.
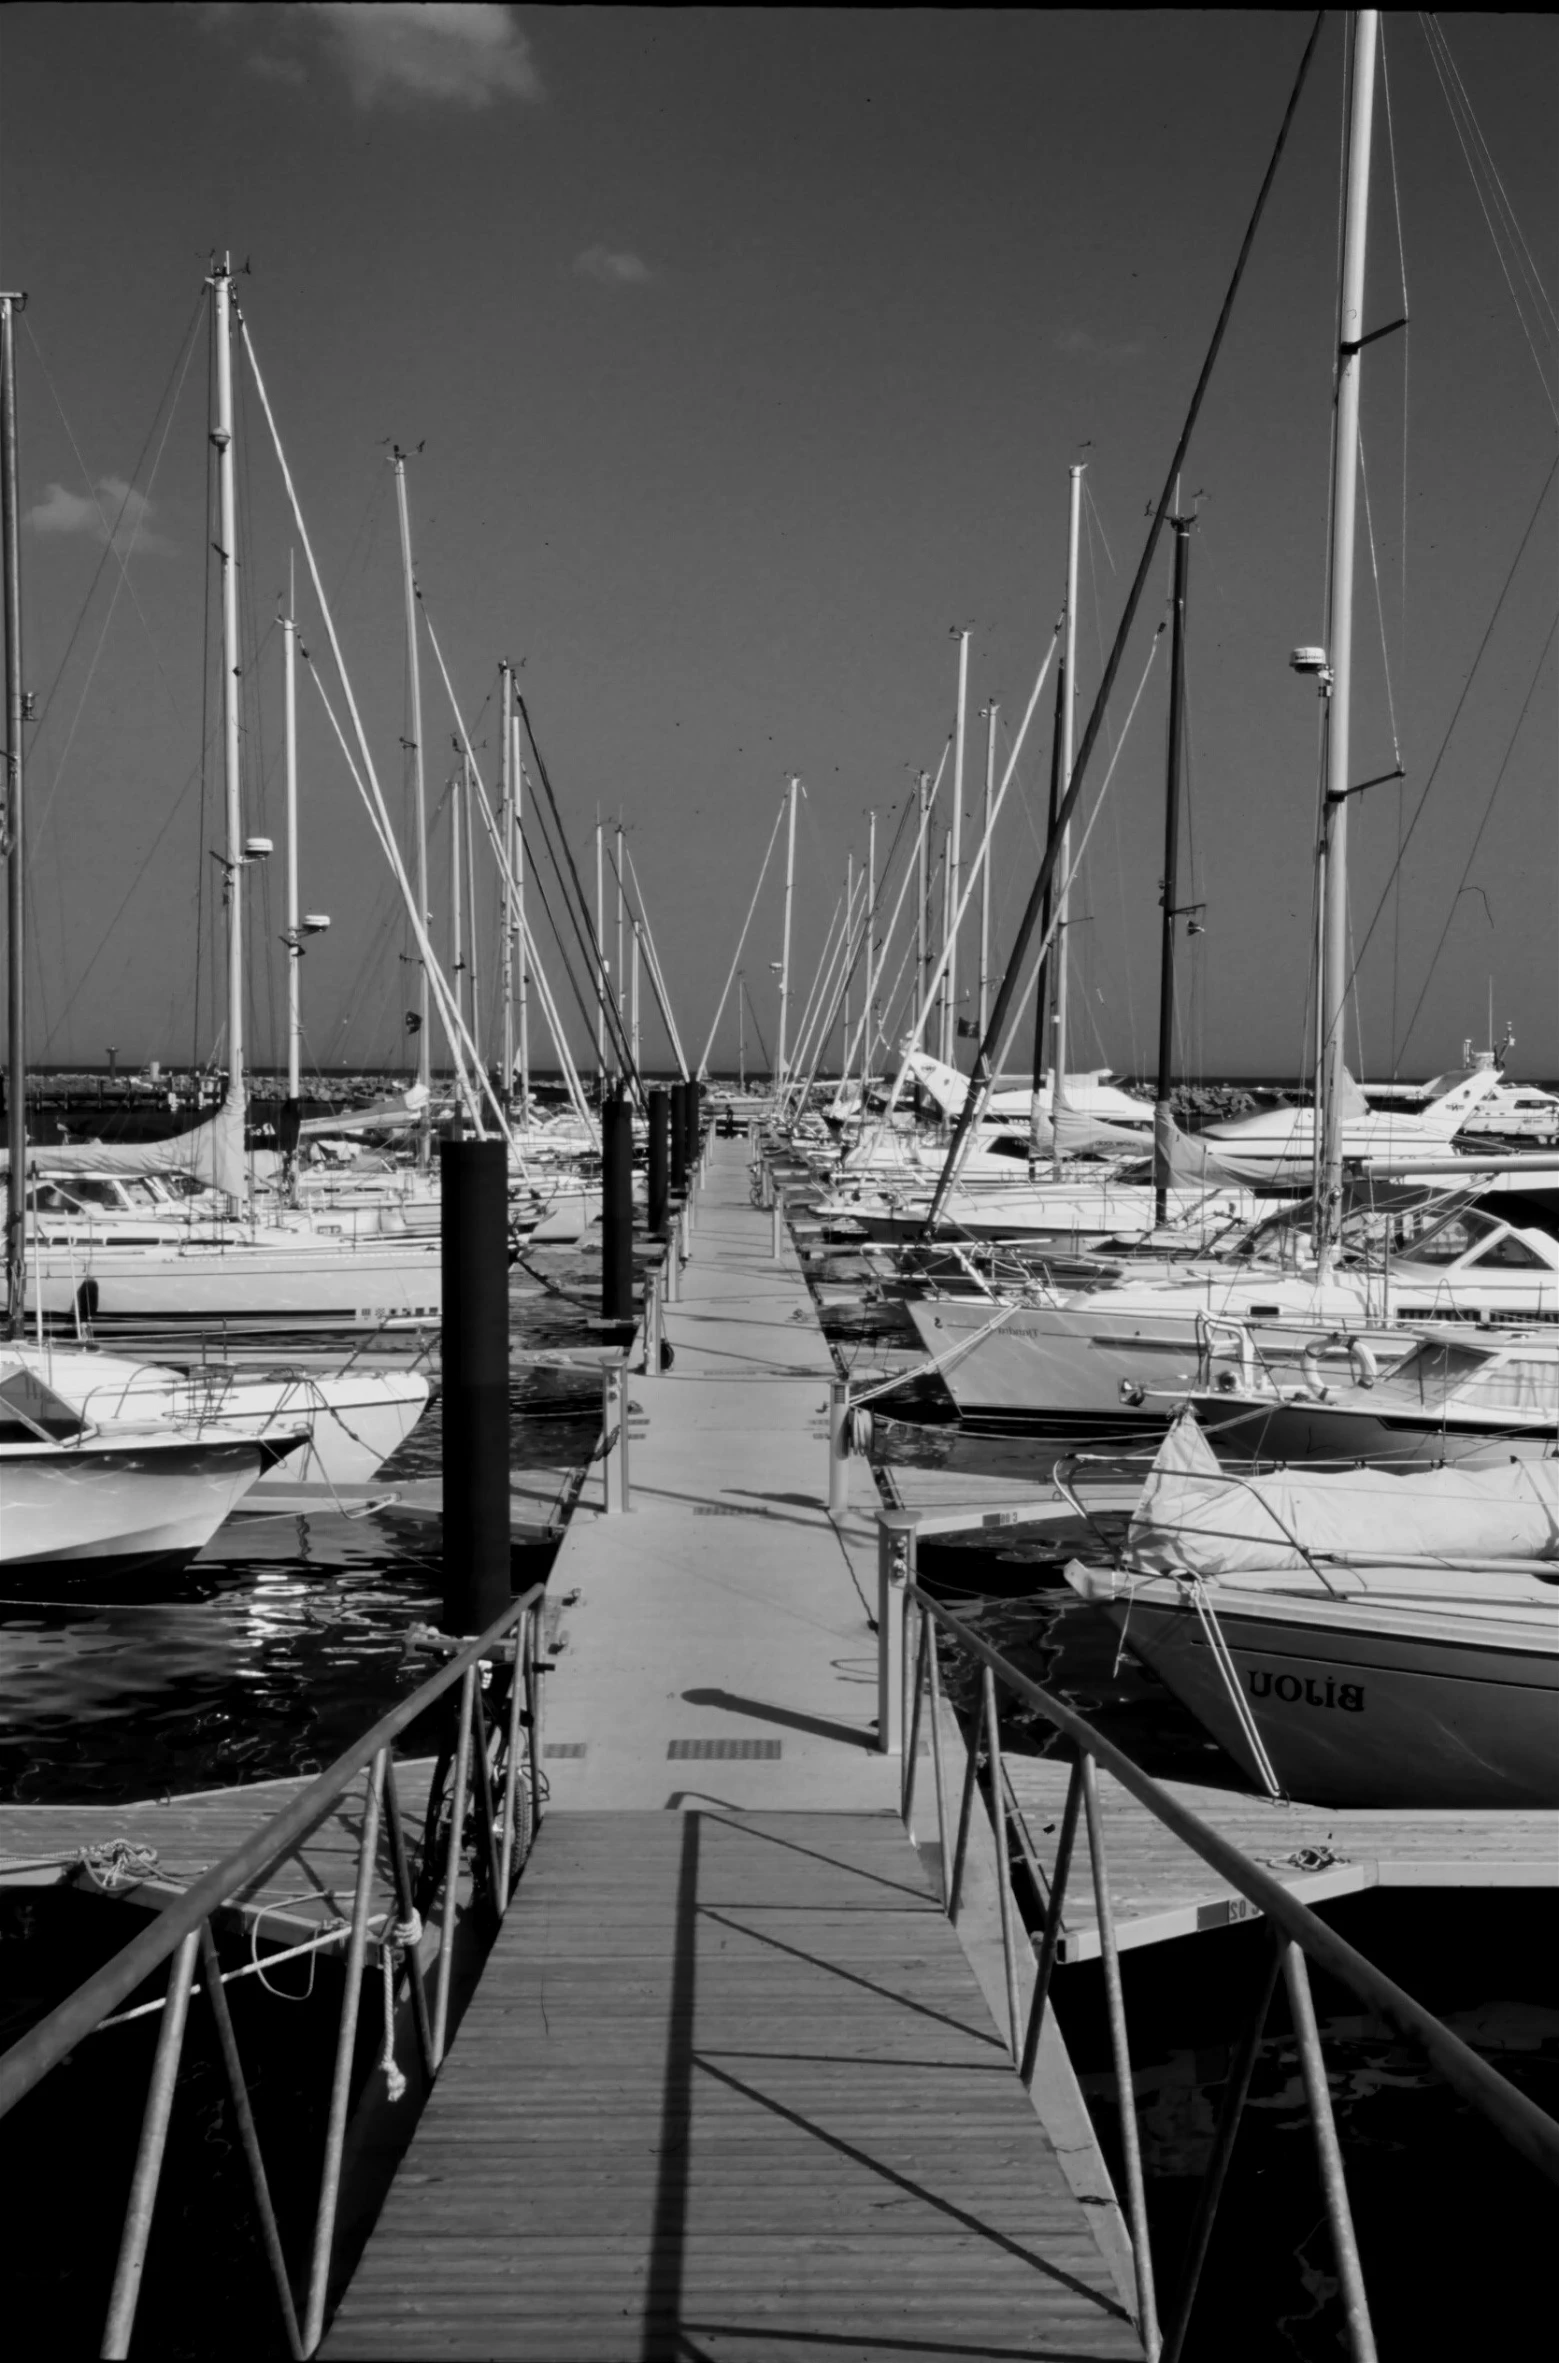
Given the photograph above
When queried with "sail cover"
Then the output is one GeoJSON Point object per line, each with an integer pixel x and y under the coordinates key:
{"type": "Point", "coordinates": [211, 1153]}
{"type": "Point", "coordinates": [1194, 1517]}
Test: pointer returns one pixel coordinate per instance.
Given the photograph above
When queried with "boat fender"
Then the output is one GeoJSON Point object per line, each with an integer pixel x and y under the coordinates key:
{"type": "Point", "coordinates": [1362, 1363]}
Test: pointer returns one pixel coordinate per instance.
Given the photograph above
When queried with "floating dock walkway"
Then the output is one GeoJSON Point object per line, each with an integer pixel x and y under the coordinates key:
{"type": "Point", "coordinates": [729, 2086]}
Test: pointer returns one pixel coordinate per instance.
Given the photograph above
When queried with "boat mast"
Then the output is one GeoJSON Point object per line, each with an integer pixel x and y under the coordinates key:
{"type": "Point", "coordinates": [871, 922]}
{"type": "Point", "coordinates": [506, 838]}
{"type": "Point", "coordinates": [221, 284]}
{"type": "Point", "coordinates": [849, 904]}
{"type": "Point", "coordinates": [950, 994]}
{"type": "Point", "coordinates": [1046, 958]}
{"type": "Point", "coordinates": [517, 847]}
{"type": "Point", "coordinates": [289, 629]}
{"type": "Point", "coordinates": [790, 888]}
{"type": "Point", "coordinates": [420, 793]}
{"type": "Point", "coordinates": [12, 837]}
{"type": "Point", "coordinates": [457, 974]}
{"type": "Point", "coordinates": [991, 712]}
{"type": "Point", "coordinates": [1068, 720]}
{"type": "Point", "coordinates": [923, 892]}
{"type": "Point", "coordinates": [600, 982]}
{"type": "Point", "coordinates": [1337, 681]}
{"type": "Point", "coordinates": [1181, 527]}
{"type": "Point", "coordinates": [474, 965]}
{"type": "Point", "coordinates": [741, 1031]}
{"type": "Point", "coordinates": [633, 998]}
{"type": "Point", "coordinates": [622, 978]}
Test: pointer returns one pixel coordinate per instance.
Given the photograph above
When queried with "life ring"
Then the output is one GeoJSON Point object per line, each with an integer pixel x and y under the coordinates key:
{"type": "Point", "coordinates": [858, 1428]}
{"type": "Point", "coordinates": [1310, 1369]}
{"type": "Point", "coordinates": [1362, 1363]}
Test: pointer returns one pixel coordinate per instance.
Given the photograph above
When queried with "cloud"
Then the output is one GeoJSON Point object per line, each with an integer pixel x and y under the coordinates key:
{"type": "Point", "coordinates": [612, 270]}
{"type": "Point", "coordinates": [272, 66]}
{"type": "Point", "coordinates": [1080, 344]}
{"type": "Point", "coordinates": [395, 52]}
{"type": "Point", "coordinates": [118, 511]}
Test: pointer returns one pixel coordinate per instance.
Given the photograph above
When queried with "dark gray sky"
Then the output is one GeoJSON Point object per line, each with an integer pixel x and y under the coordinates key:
{"type": "Point", "coordinates": [749, 350]}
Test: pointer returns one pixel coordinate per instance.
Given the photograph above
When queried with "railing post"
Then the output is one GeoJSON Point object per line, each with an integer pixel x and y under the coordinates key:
{"type": "Point", "coordinates": [895, 1557]}
{"type": "Point", "coordinates": [935, 1710]}
{"type": "Point", "coordinates": [1052, 1934]}
{"type": "Point", "coordinates": [838, 1448]}
{"type": "Point", "coordinates": [651, 1322]}
{"type": "Point", "coordinates": [614, 1438]}
{"type": "Point", "coordinates": [457, 1817]}
{"type": "Point", "coordinates": [1125, 2091]}
{"type": "Point", "coordinates": [1334, 2184]}
{"type": "Point", "coordinates": [406, 1904]}
{"type": "Point", "coordinates": [511, 1761]}
{"type": "Point", "coordinates": [249, 2138]}
{"type": "Point", "coordinates": [341, 2081]}
{"type": "Point", "coordinates": [149, 2153]}
{"type": "Point", "coordinates": [912, 1720]}
{"type": "Point", "coordinates": [1003, 1868]}
{"type": "Point", "coordinates": [777, 1227]}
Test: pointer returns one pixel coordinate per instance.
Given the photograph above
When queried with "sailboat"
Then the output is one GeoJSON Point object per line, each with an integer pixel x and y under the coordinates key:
{"type": "Point", "coordinates": [1092, 1362]}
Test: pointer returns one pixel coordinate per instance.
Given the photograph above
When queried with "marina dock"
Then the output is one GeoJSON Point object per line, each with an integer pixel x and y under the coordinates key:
{"type": "Point", "coordinates": [730, 2085]}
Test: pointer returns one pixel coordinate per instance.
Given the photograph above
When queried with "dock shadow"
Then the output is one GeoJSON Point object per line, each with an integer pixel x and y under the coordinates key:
{"type": "Point", "coordinates": [816, 1726]}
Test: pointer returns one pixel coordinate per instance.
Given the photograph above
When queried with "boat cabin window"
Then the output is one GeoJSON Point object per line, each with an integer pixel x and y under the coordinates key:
{"type": "Point", "coordinates": [1510, 1254]}
{"type": "Point", "coordinates": [1007, 1145]}
{"type": "Point", "coordinates": [30, 1412]}
{"type": "Point", "coordinates": [1435, 1369]}
{"type": "Point", "coordinates": [1449, 1240]}
{"type": "Point", "coordinates": [1514, 1382]}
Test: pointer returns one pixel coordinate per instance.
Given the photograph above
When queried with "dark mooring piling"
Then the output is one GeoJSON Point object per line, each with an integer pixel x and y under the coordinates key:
{"type": "Point", "coordinates": [617, 1211]}
{"type": "Point", "coordinates": [679, 1139]}
{"type": "Point", "coordinates": [660, 1160]}
{"type": "Point", "coordinates": [474, 1227]}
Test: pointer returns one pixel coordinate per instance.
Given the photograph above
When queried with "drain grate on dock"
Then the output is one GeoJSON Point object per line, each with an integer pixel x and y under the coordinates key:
{"type": "Point", "coordinates": [742, 1750]}
{"type": "Point", "coordinates": [728, 1510]}
{"type": "Point", "coordinates": [565, 1747]}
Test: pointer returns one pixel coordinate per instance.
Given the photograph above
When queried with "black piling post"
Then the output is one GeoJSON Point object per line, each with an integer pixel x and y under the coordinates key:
{"type": "Point", "coordinates": [679, 1139]}
{"type": "Point", "coordinates": [617, 1211]}
{"type": "Point", "coordinates": [660, 1160]}
{"type": "Point", "coordinates": [474, 1225]}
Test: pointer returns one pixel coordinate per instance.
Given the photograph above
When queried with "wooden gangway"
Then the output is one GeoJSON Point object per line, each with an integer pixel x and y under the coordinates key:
{"type": "Point", "coordinates": [730, 2085]}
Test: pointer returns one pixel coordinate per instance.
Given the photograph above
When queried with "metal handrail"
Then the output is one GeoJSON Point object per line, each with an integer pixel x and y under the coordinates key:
{"type": "Point", "coordinates": [73, 2019]}
{"type": "Point", "coordinates": [1298, 1934]}
{"type": "Point", "coordinates": [482, 1762]}
{"type": "Point", "coordinates": [1524, 2125]}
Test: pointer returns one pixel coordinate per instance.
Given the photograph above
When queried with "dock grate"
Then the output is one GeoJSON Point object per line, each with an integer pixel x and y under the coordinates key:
{"type": "Point", "coordinates": [743, 1749]}
{"type": "Point", "coordinates": [565, 1747]}
{"type": "Point", "coordinates": [728, 1510]}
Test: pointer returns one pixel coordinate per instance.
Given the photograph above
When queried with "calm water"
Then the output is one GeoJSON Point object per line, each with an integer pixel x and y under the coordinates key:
{"type": "Point", "coordinates": [286, 1639]}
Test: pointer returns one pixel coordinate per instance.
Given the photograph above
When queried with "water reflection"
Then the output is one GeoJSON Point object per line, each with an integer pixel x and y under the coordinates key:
{"type": "Point", "coordinates": [284, 1640]}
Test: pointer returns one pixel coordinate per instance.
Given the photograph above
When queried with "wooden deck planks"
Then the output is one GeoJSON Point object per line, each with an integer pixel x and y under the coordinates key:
{"type": "Point", "coordinates": [728, 2088]}
{"type": "Point", "coordinates": [45, 1845]}
{"type": "Point", "coordinates": [1160, 1889]}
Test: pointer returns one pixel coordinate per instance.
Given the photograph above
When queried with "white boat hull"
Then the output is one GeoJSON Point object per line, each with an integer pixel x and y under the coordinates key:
{"type": "Point", "coordinates": [364, 1287]}
{"type": "Point", "coordinates": [127, 1506]}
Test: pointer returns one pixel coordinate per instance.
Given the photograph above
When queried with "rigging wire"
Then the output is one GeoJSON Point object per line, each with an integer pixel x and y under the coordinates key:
{"type": "Point", "coordinates": [1488, 808]}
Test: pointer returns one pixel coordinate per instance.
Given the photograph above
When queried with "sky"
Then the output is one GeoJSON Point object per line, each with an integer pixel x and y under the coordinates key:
{"type": "Point", "coordinates": [743, 355]}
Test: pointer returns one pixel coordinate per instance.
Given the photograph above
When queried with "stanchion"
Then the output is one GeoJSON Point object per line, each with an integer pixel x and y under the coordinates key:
{"type": "Point", "coordinates": [777, 1227]}
{"type": "Point", "coordinates": [474, 1228]}
{"type": "Point", "coordinates": [614, 1439]}
{"type": "Point", "coordinates": [617, 1211]}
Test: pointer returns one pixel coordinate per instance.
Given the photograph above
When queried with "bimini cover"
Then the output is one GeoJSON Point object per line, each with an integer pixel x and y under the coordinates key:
{"type": "Point", "coordinates": [1193, 1516]}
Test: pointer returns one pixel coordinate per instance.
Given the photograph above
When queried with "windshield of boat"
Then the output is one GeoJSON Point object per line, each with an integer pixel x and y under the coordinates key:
{"type": "Point", "coordinates": [1447, 1241]}
{"type": "Point", "coordinates": [30, 1412]}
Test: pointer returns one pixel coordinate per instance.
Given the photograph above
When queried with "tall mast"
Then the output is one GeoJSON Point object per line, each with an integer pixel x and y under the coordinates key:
{"type": "Point", "coordinates": [474, 963]}
{"type": "Point", "coordinates": [1166, 971]}
{"type": "Point", "coordinates": [456, 931]}
{"type": "Point", "coordinates": [601, 981]}
{"type": "Point", "coordinates": [622, 978]}
{"type": "Point", "coordinates": [506, 839]}
{"type": "Point", "coordinates": [420, 810]}
{"type": "Point", "coordinates": [13, 839]}
{"type": "Point", "coordinates": [1068, 720]}
{"type": "Point", "coordinates": [523, 979]}
{"type": "Point", "coordinates": [923, 891]}
{"type": "Point", "coordinates": [1047, 959]}
{"type": "Point", "coordinates": [991, 712]}
{"type": "Point", "coordinates": [790, 888]}
{"type": "Point", "coordinates": [633, 998]}
{"type": "Point", "coordinates": [871, 922]}
{"type": "Point", "coordinates": [1337, 685]}
{"type": "Point", "coordinates": [849, 904]}
{"type": "Point", "coordinates": [741, 1031]}
{"type": "Point", "coordinates": [289, 627]}
{"type": "Point", "coordinates": [950, 996]}
{"type": "Point", "coordinates": [221, 284]}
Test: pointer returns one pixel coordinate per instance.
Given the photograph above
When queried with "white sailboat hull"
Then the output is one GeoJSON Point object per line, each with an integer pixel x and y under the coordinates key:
{"type": "Point", "coordinates": [366, 1287]}
{"type": "Point", "coordinates": [129, 1505]}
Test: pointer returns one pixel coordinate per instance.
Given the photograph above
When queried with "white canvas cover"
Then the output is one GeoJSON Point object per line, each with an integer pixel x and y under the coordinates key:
{"type": "Point", "coordinates": [212, 1152]}
{"type": "Point", "coordinates": [1194, 1516]}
